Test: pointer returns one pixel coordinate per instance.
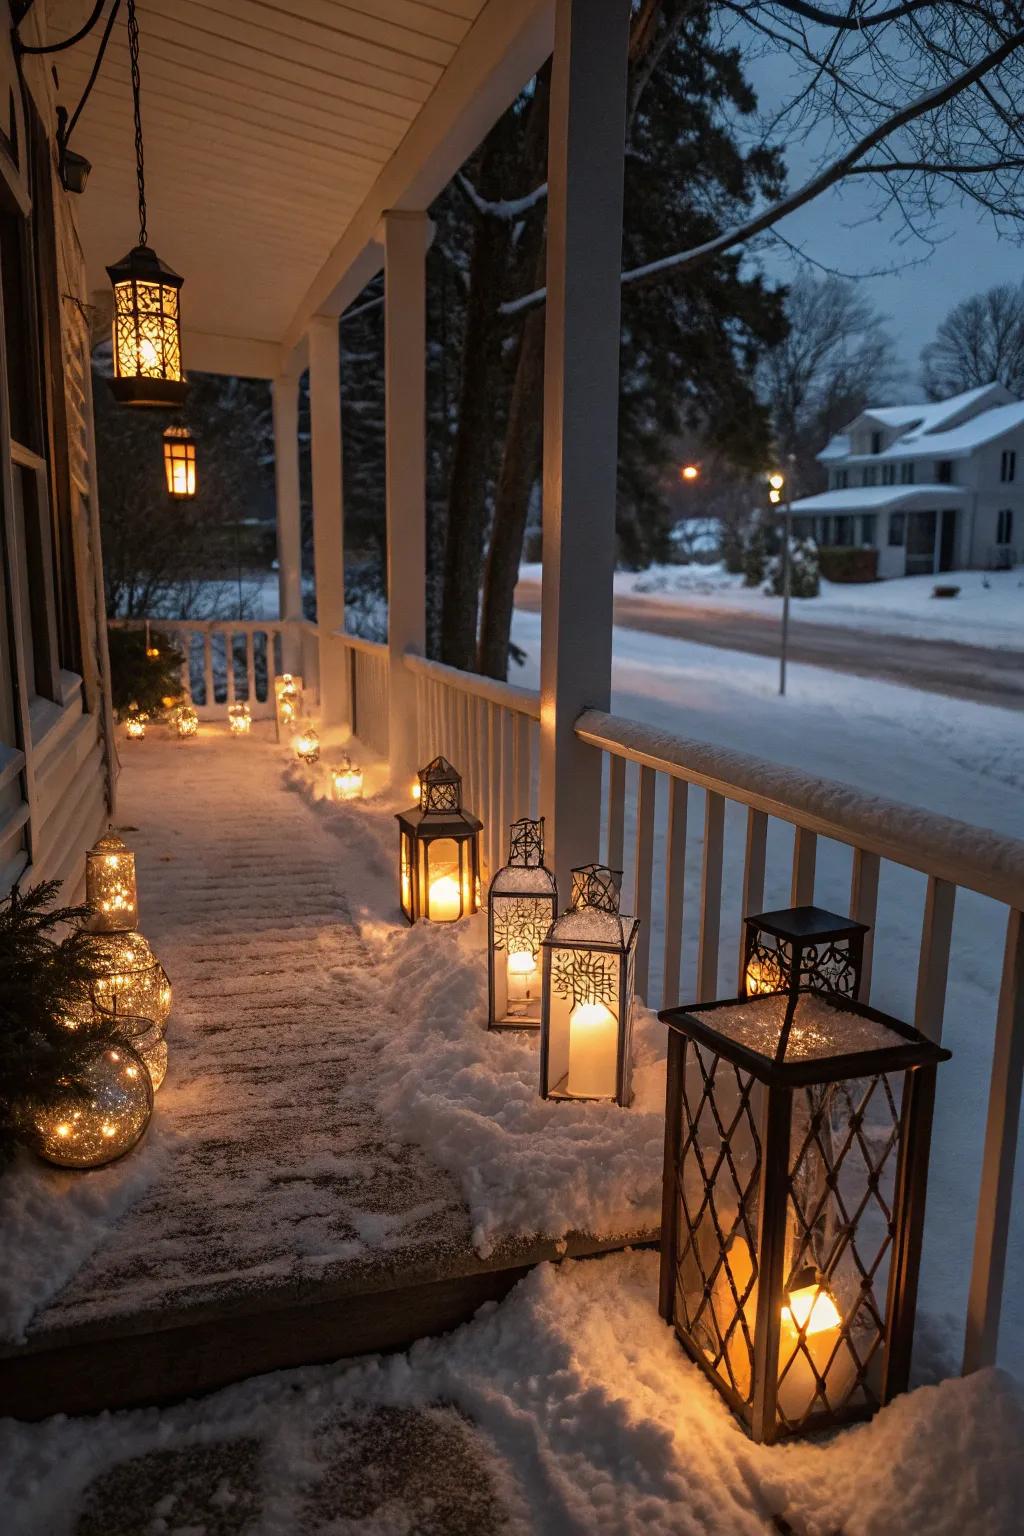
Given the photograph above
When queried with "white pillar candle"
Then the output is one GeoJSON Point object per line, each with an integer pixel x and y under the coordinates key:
{"type": "Point", "coordinates": [812, 1308]}
{"type": "Point", "coordinates": [520, 973]}
{"type": "Point", "coordinates": [593, 1051]}
{"type": "Point", "coordinates": [445, 900]}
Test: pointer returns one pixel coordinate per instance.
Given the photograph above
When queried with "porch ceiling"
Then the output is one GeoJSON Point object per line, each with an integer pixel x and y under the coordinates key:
{"type": "Point", "coordinates": [277, 133]}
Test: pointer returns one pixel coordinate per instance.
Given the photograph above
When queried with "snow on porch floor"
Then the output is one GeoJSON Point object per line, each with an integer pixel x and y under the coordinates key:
{"type": "Point", "coordinates": [566, 1410]}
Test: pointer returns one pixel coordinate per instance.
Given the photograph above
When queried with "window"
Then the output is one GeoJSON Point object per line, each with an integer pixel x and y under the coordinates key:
{"type": "Point", "coordinates": [897, 528]}
{"type": "Point", "coordinates": [868, 525]}
{"type": "Point", "coordinates": [1004, 526]}
{"type": "Point", "coordinates": [1008, 466]}
{"type": "Point", "coordinates": [869, 474]}
{"type": "Point", "coordinates": [843, 530]}
{"type": "Point", "coordinates": [944, 471]}
{"type": "Point", "coordinates": [842, 479]}
{"type": "Point", "coordinates": [888, 474]}
{"type": "Point", "coordinates": [824, 529]}
{"type": "Point", "coordinates": [907, 473]}
{"type": "Point", "coordinates": [876, 442]}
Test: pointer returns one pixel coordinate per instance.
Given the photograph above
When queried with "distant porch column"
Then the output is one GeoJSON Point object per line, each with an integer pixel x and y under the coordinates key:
{"type": "Point", "coordinates": [328, 521]}
{"type": "Point", "coordinates": [581, 400]}
{"type": "Point", "coordinates": [406, 239]}
{"type": "Point", "coordinates": [285, 398]}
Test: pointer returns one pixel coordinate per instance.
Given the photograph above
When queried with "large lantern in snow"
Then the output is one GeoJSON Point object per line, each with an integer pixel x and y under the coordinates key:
{"type": "Point", "coordinates": [439, 850]}
{"type": "Point", "coordinates": [521, 905]}
{"type": "Point", "coordinates": [587, 1012]}
{"type": "Point", "coordinates": [796, 1157]}
{"type": "Point", "coordinates": [180, 463]}
{"type": "Point", "coordinates": [803, 947]}
{"type": "Point", "coordinates": [110, 886]}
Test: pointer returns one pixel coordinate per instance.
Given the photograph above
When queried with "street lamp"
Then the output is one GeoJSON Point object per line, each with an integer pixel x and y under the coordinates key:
{"type": "Point", "coordinates": [689, 473]}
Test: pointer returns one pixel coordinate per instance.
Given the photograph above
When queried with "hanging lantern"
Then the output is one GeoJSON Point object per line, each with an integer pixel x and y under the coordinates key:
{"type": "Point", "coordinates": [88, 1124]}
{"type": "Point", "coordinates": [439, 849]}
{"type": "Point", "coordinates": [180, 462]}
{"type": "Point", "coordinates": [110, 886]}
{"type": "Point", "coordinates": [587, 1009]}
{"type": "Point", "coordinates": [130, 981]}
{"type": "Point", "coordinates": [803, 947]}
{"type": "Point", "coordinates": [522, 903]}
{"type": "Point", "coordinates": [239, 719]}
{"type": "Point", "coordinates": [796, 1159]}
{"type": "Point", "coordinates": [147, 310]}
{"type": "Point", "coordinates": [135, 726]}
{"type": "Point", "coordinates": [186, 721]}
{"type": "Point", "coordinates": [287, 704]}
{"type": "Point", "coordinates": [307, 745]}
{"type": "Point", "coordinates": [347, 781]}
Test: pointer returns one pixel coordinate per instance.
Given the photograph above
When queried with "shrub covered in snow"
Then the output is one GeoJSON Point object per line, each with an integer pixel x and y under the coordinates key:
{"type": "Point", "coordinates": [804, 573]}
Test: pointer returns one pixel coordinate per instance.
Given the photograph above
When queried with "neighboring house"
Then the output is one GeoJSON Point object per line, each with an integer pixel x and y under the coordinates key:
{"type": "Point", "coordinates": [56, 756]}
{"type": "Point", "coordinates": [932, 487]}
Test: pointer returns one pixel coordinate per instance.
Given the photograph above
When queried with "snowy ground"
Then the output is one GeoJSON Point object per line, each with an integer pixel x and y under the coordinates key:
{"type": "Point", "coordinates": [568, 1409]}
{"type": "Point", "coordinates": [991, 614]}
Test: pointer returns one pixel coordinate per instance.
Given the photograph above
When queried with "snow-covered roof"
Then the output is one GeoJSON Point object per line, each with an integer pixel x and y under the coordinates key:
{"type": "Point", "coordinates": [933, 427]}
{"type": "Point", "coordinates": [869, 498]}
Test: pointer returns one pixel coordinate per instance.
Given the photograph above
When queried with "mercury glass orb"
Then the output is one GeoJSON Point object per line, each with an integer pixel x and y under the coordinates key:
{"type": "Point", "coordinates": [131, 981]}
{"type": "Point", "coordinates": [100, 1121]}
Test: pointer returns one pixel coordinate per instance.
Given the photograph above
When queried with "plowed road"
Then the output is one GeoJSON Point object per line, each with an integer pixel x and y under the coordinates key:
{"type": "Point", "coordinates": [984, 674]}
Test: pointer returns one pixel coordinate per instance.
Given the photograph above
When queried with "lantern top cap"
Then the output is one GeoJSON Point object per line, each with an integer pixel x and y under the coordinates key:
{"type": "Point", "coordinates": [526, 843]}
{"type": "Point", "coordinates": [596, 886]}
{"type": "Point", "coordinates": [440, 787]}
{"type": "Point", "coordinates": [143, 265]}
{"type": "Point", "coordinates": [829, 1038]}
{"type": "Point", "coordinates": [110, 843]}
{"type": "Point", "coordinates": [806, 924]}
{"type": "Point", "coordinates": [178, 432]}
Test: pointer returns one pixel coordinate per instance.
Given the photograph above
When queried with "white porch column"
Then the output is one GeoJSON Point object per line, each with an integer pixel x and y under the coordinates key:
{"type": "Point", "coordinates": [285, 397]}
{"type": "Point", "coordinates": [406, 239]}
{"type": "Point", "coordinates": [328, 549]}
{"type": "Point", "coordinates": [581, 400]}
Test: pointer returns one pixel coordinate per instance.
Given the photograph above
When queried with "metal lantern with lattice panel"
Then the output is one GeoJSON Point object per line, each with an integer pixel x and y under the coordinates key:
{"type": "Point", "coordinates": [110, 888]}
{"type": "Point", "coordinates": [180, 463]}
{"type": "Point", "coordinates": [521, 906]}
{"type": "Point", "coordinates": [803, 947]}
{"type": "Point", "coordinates": [587, 1001]}
{"type": "Point", "coordinates": [796, 1159]}
{"type": "Point", "coordinates": [439, 850]}
{"type": "Point", "coordinates": [147, 331]}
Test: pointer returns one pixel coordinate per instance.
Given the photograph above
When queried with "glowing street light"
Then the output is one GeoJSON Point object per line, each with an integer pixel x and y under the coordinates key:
{"type": "Point", "coordinates": [690, 472]}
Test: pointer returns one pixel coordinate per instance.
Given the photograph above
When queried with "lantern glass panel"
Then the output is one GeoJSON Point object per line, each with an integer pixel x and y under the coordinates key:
{"type": "Point", "coordinates": [406, 875]}
{"type": "Point", "coordinates": [793, 1154]}
{"type": "Point", "coordinates": [179, 462]}
{"type": "Point", "coordinates": [521, 906]}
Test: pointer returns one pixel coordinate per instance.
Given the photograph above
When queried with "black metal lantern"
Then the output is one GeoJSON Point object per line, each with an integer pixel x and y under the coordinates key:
{"type": "Point", "coordinates": [796, 1159]}
{"type": "Point", "coordinates": [803, 947]}
{"type": "Point", "coordinates": [522, 903]}
{"type": "Point", "coordinates": [180, 463]}
{"type": "Point", "coordinates": [587, 1009]}
{"type": "Point", "coordinates": [439, 849]}
{"type": "Point", "coordinates": [147, 295]}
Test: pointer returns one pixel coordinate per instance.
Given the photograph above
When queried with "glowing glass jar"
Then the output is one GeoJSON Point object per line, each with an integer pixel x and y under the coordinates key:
{"type": "Point", "coordinates": [796, 1160]}
{"type": "Point", "coordinates": [130, 982]}
{"type": "Point", "coordinates": [135, 727]}
{"type": "Point", "coordinates": [287, 704]}
{"type": "Point", "coordinates": [100, 1121]}
{"type": "Point", "coordinates": [110, 885]}
{"type": "Point", "coordinates": [587, 1002]}
{"type": "Point", "coordinates": [438, 850]}
{"type": "Point", "coordinates": [347, 781]}
{"type": "Point", "coordinates": [239, 719]}
{"type": "Point", "coordinates": [522, 903]}
{"type": "Point", "coordinates": [186, 721]}
{"type": "Point", "coordinates": [307, 745]}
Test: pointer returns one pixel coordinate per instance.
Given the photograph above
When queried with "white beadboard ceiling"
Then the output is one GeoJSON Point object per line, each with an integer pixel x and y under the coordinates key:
{"type": "Point", "coordinates": [267, 127]}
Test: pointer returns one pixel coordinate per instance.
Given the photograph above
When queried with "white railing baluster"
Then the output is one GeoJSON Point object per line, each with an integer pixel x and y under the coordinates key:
{"type": "Point", "coordinates": [864, 907]}
{"type": "Point", "coordinates": [710, 897]}
{"type": "Point", "coordinates": [675, 889]}
{"type": "Point", "coordinates": [507, 780]}
{"type": "Point", "coordinates": [250, 668]}
{"type": "Point", "coordinates": [998, 1159]}
{"type": "Point", "coordinates": [229, 659]}
{"type": "Point", "coordinates": [210, 699]}
{"type": "Point", "coordinates": [479, 716]}
{"type": "Point", "coordinates": [644, 874]}
{"type": "Point", "coordinates": [933, 966]}
{"type": "Point", "coordinates": [805, 853]}
{"type": "Point", "coordinates": [184, 641]}
{"type": "Point", "coordinates": [753, 882]}
{"type": "Point", "coordinates": [616, 810]}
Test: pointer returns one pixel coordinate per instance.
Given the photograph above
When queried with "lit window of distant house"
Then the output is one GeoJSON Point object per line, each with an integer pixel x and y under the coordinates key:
{"type": "Point", "coordinates": [944, 471]}
{"type": "Point", "coordinates": [907, 473]}
{"type": "Point", "coordinates": [1008, 465]}
{"type": "Point", "coordinates": [897, 526]}
{"type": "Point", "coordinates": [1004, 526]}
{"type": "Point", "coordinates": [876, 442]}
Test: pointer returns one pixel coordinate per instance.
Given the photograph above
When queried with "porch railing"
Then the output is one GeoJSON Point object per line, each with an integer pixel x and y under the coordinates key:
{"type": "Point", "coordinates": [234, 660]}
{"type": "Point", "coordinates": [366, 671]}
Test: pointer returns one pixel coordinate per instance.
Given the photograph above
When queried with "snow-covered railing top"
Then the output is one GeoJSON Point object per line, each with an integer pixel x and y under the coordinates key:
{"type": "Point", "coordinates": [522, 701]}
{"type": "Point", "coordinates": [375, 648]}
{"type": "Point", "coordinates": [965, 855]}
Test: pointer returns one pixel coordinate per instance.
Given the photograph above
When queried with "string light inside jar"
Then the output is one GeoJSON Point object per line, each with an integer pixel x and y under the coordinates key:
{"type": "Point", "coordinates": [135, 726]}
{"type": "Point", "coordinates": [186, 721]}
{"type": "Point", "coordinates": [239, 719]}
{"type": "Point", "coordinates": [98, 1118]}
{"type": "Point", "coordinates": [110, 888]}
{"type": "Point", "coordinates": [307, 745]}
{"type": "Point", "coordinates": [347, 781]}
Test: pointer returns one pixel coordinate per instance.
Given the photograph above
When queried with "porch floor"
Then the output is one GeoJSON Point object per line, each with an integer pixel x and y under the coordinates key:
{"type": "Point", "coordinates": [280, 1220]}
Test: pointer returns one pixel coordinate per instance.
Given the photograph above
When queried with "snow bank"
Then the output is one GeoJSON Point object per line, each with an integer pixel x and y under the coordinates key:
{"type": "Point", "coordinates": [592, 1419]}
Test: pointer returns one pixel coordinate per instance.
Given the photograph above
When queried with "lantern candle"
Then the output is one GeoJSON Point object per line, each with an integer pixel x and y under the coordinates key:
{"type": "Point", "coordinates": [593, 1052]}
{"type": "Point", "coordinates": [812, 1322]}
{"type": "Point", "coordinates": [522, 903]}
{"type": "Point", "coordinates": [239, 719]}
{"type": "Point", "coordinates": [521, 974]}
{"type": "Point", "coordinates": [445, 900]}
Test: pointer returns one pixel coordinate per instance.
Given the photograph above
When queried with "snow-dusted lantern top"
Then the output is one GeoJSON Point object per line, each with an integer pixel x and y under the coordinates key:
{"type": "Point", "coordinates": [110, 886]}
{"type": "Point", "coordinates": [287, 704]}
{"type": "Point", "coordinates": [803, 947]}
{"type": "Point", "coordinates": [439, 849]}
{"type": "Point", "coordinates": [587, 1011]}
{"type": "Point", "coordinates": [521, 905]}
{"type": "Point", "coordinates": [796, 1159]}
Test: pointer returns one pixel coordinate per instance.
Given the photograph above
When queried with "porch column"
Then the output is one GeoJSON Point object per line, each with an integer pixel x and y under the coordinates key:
{"type": "Point", "coordinates": [328, 547]}
{"type": "Point", "coordinates": [285, 398]}
{"type": "Point", "coordinates": [581, 400]}
{"type": "Point", "coordinates": [406, 239]}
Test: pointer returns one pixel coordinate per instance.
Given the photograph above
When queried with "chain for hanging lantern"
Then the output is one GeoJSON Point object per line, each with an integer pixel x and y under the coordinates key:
{"type": "Point", "coordinates": [147, 308]}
